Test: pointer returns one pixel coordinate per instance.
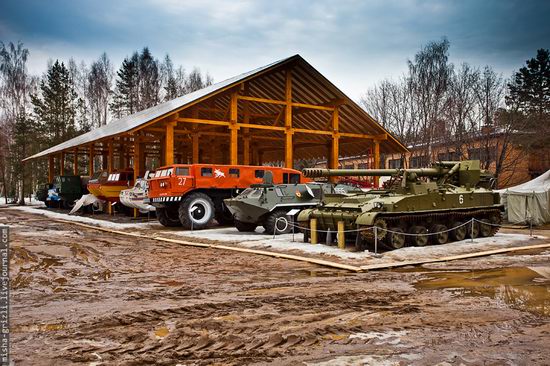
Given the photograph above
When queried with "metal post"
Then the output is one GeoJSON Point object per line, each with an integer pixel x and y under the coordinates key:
{"type": "Point", "coordinates": [341, 237]}
{"type": "Point", "coordinates": [313, 227]}
{"type": "Point", "coordinates": [375, 240]}
{"type": "Point", "coordinates": [472, 231]}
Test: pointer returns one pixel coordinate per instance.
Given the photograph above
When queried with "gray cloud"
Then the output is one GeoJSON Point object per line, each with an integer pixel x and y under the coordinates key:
{"type": "Point", "coordinates": [354, 43]}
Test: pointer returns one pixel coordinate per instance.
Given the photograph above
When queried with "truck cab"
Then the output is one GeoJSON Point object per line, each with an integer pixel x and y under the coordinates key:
{"type": "Point", "coordinates": [191, 195]}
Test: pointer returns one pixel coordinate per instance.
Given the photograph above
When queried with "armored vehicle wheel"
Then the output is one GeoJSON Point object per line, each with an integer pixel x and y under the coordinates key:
{"type": "Point", "coordinates": [306, 236]}
{"type": "Point", "coordinates": [472, 230]}
{"type": "Point", "coordinates": [485, 230]}
{"type": "Point", "coordinates": [168, 217]}
{"type": "Point", "coordinates": [196, 211]}
{"type": "Point", "coordinates": [395, 238]}
{"type": "Point", "coordinates": [245, 226]}
{"type": "Point", "coordinates": [441, 236]}
{"type": "Point", "coordinates": [419, 240]}
{"type": "Point", "coordinates": [459, 232]}
{"type": "Point", "coordinates": [277, 219]}
{"type": "Point", "coordinates": [224, 218]}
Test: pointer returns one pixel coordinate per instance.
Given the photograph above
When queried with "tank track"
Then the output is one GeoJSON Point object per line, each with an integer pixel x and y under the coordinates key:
{"type": "Point", "coordinates": [493, 215]}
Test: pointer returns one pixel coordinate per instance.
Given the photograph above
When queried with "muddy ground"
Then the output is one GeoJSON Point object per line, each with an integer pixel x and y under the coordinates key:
{"type": "Point", "coordinates": [81, 296]}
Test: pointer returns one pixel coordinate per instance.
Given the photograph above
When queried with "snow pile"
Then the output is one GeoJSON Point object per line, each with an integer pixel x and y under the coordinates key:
{"type": "Point", "coordinates": [88, 220]}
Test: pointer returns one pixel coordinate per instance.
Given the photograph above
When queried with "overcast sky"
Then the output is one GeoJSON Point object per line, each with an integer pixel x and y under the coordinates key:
{"type": "Point", "coordinates": [354, 43]}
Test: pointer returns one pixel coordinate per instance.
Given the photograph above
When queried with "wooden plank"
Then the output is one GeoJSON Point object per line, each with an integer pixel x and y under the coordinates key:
{"type": "Point", "coordinates": [485, 253]}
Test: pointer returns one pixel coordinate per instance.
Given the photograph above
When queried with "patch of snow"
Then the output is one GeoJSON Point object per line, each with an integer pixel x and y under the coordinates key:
{"type": "Point", "coordinates": [390, 337]}
{"type": "Point", "coordinates": [356, 360]}
{"type": "Point", "coordinates": [88, 220]}
{"type": "Point", "coordinates": [281, 242]}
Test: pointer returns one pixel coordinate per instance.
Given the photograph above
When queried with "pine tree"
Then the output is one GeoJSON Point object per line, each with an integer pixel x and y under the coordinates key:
{"type": "Point", "coordinates": [149, 80]}
{"type": "Point", "coordinates": [126, 98]}
{"type": "Point", "coordinates": [57, 105]}
{"type": "Point", "coordinates": [530, 87]}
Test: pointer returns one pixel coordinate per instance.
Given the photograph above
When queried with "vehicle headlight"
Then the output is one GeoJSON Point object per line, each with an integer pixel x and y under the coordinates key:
{"type": "Point", "coordinates": [378, 205]}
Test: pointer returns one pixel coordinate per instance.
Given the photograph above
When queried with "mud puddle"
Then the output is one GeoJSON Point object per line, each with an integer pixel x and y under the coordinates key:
{"type": "Point", "coordinates": [522, 288]}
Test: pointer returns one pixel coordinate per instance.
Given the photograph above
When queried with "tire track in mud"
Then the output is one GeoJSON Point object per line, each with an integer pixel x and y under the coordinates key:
{"type": "Point", "coordinates": [251, 328]}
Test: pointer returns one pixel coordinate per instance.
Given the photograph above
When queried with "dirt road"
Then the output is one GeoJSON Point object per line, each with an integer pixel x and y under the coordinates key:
{"type": "Point", "coordinates": [81, 296]}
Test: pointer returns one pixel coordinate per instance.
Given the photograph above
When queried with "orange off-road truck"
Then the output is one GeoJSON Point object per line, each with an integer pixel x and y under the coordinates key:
{"type": "Point", "coordinates": [191, 195]}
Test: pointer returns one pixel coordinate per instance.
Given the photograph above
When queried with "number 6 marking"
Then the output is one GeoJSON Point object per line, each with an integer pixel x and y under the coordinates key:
{"type": "Point", "coordinates": [461, 199]}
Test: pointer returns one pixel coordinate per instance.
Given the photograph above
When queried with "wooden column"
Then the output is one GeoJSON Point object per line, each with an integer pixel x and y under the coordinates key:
{"type": "Point", "coordinates": [51, 168]}
{"type": "Point", "coordinates": [376, 160]}
{"type": "Point", "coordinates": [110, 157]}
{"type": "Point", "coordinates": [137, 156]}
{"type": "Point", "coordinates": [62, 163]}
{"type": "Point", "coordinates": [246, 130]}
{"type": "Point", "coordinates": [169, 143]}
{"type": "Point", "coordinates": [289, 159]}
{"type": "Point", "coordinates": [195, 138]}
{"type": "Point", "coordinates": [91, 160]}
{"type": "Point", "coordinates": [75, 162]}
{"type": "Point", "coordinates": [335, 151]}
{"type": "Point", "coordinates": [233, 129]}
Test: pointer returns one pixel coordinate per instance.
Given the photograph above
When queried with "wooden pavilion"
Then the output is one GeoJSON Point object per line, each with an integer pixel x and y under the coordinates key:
{"type": "Point", "coordinates": [280, 112]}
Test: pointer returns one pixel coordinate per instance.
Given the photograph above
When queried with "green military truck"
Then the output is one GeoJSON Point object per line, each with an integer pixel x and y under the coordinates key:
{"type": "Point", "coordinates": [63, 191]}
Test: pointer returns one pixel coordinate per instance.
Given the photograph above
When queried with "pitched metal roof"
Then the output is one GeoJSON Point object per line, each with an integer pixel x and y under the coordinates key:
{"type": "Point", "coordinates": [136, 120]}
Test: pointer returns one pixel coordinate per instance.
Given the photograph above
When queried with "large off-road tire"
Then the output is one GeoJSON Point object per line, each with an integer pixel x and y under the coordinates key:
{"type": "Point", "coordinates": [168, 216]}
{"type": "Point", "coordinates": [245, 226]}
{"type": "Point", "coordinates": [196, 211]}
{"type": "Point", "coordinates": [280, 219]}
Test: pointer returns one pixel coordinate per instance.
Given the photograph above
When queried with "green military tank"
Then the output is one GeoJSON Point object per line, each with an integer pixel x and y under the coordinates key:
{"type": "Point", "coordinates": [268, 204]}
{"type": "Point", "coordinates": [433, 204]}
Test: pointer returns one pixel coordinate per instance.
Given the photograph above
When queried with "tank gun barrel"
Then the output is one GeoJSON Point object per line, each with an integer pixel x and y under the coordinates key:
{"type": "Point", "coordinates": [420, 172]}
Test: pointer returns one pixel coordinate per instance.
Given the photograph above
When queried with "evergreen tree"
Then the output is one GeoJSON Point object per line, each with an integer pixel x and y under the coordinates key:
{"type": "Point", "coordinates": [23, 132]}
{"type": "Point", "coordinates": [530, 86]}
{"type": "Point", "coordinates": [149, 80]}
{"type": "Point", "coordinates": [126, 98]}
{"type": "Point", "coordinates": [57, 105]}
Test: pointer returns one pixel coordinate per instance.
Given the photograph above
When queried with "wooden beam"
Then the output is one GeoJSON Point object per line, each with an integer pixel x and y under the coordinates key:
{"type": "Point", "coordinates": [335, 151]}
{"type": "Point", "coordinates": [233, 129]}
{"type": "Point", "coordinates": [51, 168]}
{"type": "Point", "coordinates": [91, 160]}
{"type": "Point", "coordinates": [169, 143]}
{"type": "Point", "coordinates": [313, 106]}
{"type": "Point", "coordinates": [75, 162]}
{"type": "Point", "coordinates": [137, 157]}
{"type": "Point", "coordinates": [376, 160]}
{"type": "Point", "coordinates": [261, 127]}
{"type": "Point", "coordinates": [195, 138]}
{"type": "Point", "coordinates": [204, 121]}
{"type": "Point", "coordinates": [62, 163]}
{"type": "Point", "coordinates": [246, 130]}
{"type": "Point", "coordinates": [289, 160]}
{"type": "Point", "coordinates": [261, 100]}
{"type": "Point", "coordinates": [110, 157]}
